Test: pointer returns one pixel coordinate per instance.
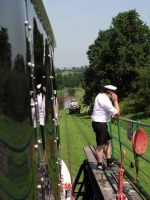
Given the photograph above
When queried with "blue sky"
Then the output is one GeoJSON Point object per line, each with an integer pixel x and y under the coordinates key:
{"type": "Point", "coordinates": [76, 24]}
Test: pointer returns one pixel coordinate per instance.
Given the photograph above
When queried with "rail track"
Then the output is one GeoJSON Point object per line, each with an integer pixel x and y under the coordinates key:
{"type": "Point", "coordinates": [73, 124]}
{"type": "Point", "coordinates": [68, 148]}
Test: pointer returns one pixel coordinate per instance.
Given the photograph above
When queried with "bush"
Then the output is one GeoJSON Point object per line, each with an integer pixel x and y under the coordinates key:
{"type": "Point", "coordinates": [128, 106]}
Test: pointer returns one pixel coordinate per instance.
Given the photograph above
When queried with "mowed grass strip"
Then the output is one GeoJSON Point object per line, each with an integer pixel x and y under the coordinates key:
{"type": "Point", "coordinates": [77, 141]}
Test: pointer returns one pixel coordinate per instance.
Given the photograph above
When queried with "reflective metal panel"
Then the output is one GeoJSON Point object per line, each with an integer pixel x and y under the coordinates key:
{"type": "Point", "coordinates": [16, 133]}
{"type": "Point", "coordinates": [28, 103]}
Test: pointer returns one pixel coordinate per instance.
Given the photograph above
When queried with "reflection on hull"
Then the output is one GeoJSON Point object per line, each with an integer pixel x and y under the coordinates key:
{"type": "Point", "coordinates": [29, 127]}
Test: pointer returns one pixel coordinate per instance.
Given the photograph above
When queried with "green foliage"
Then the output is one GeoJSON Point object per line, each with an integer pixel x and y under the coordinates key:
{"type": "Point", "coordinates": [74, 69]}
{"type": "Point", "coordinates": [121, 56]}
{"type": "Point", "coordinates": [69, 80]}
{"type": "Point", "coordinates": [128, 106]}
{"type": "Point", "coordinates": [59, 81]}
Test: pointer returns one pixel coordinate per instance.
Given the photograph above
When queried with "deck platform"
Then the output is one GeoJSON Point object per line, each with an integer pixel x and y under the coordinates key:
{"type": "Point", "coordinates": [107, 180]}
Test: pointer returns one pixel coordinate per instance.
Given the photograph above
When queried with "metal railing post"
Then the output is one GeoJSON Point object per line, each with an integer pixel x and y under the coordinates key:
{"type": "Point", "coordinates": [112, 140]}
{"type": "Point", "coordinates": [120, 137]}
{"type": "Point", "coordinates": [136, 159]}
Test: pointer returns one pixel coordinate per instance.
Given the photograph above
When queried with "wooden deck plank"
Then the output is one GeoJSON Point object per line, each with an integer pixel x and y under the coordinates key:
{"type": "Point", "coordinates": [89, 154]}
{"type": "Point", "coordinates": [104, 184]}
{"type": "Point", "coordinates": [101, 179]}
{"type": "Point", "coordinates": [109, 188]}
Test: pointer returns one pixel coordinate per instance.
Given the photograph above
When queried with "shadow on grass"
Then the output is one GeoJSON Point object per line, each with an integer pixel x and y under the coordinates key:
{"type": "Point", "coordinates": [84, 116]}
{"type": "Point", "coordinates": [138, 116]}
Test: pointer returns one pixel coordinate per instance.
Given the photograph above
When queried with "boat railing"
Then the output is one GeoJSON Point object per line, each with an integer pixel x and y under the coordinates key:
{"type": "Point", "coordinates": [136, 165]}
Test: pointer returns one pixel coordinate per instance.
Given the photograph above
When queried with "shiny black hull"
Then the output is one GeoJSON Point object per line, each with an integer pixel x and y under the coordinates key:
{"type": "Point", "coordinates": [26, 60]}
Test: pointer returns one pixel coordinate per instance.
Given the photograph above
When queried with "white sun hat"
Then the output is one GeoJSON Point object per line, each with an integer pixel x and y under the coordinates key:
{"type": "Point", "coordinates": [39, 86]}
{"type": "Point", "coordinates": [110, 87]}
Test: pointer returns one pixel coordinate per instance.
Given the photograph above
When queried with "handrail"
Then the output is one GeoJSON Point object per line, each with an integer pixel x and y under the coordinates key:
{"type": "Point", "coordinates": [118, 142]}
{"type": "Point", "coordinates": [136, 122]}
{"type": "Point", "coordinates": [144, 158]}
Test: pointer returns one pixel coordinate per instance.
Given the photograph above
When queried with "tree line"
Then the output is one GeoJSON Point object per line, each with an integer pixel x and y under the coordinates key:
{"type": "Point", "coordinates": [73, 69]}
{"type": "Point", "coordinates": [120, 56]}
{"type": "Point", "coordinates": [69, 80]}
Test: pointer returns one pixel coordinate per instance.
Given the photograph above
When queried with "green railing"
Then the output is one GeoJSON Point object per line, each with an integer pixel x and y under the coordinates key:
{"type": "Point", "coordinates": [136, 166]}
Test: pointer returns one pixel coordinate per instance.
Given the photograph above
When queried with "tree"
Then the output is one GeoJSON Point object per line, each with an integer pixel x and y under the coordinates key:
{"type": "Point", "coordinates": [130, 49]}
{"type": "Point", "coordinates": [57, 70]}
{"type": "Point", "coordinates": [117, 55]}
{"type": "Point", "coordinates": [69, 80]}
{"type": "Point", "coordinates": [59, 81]}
